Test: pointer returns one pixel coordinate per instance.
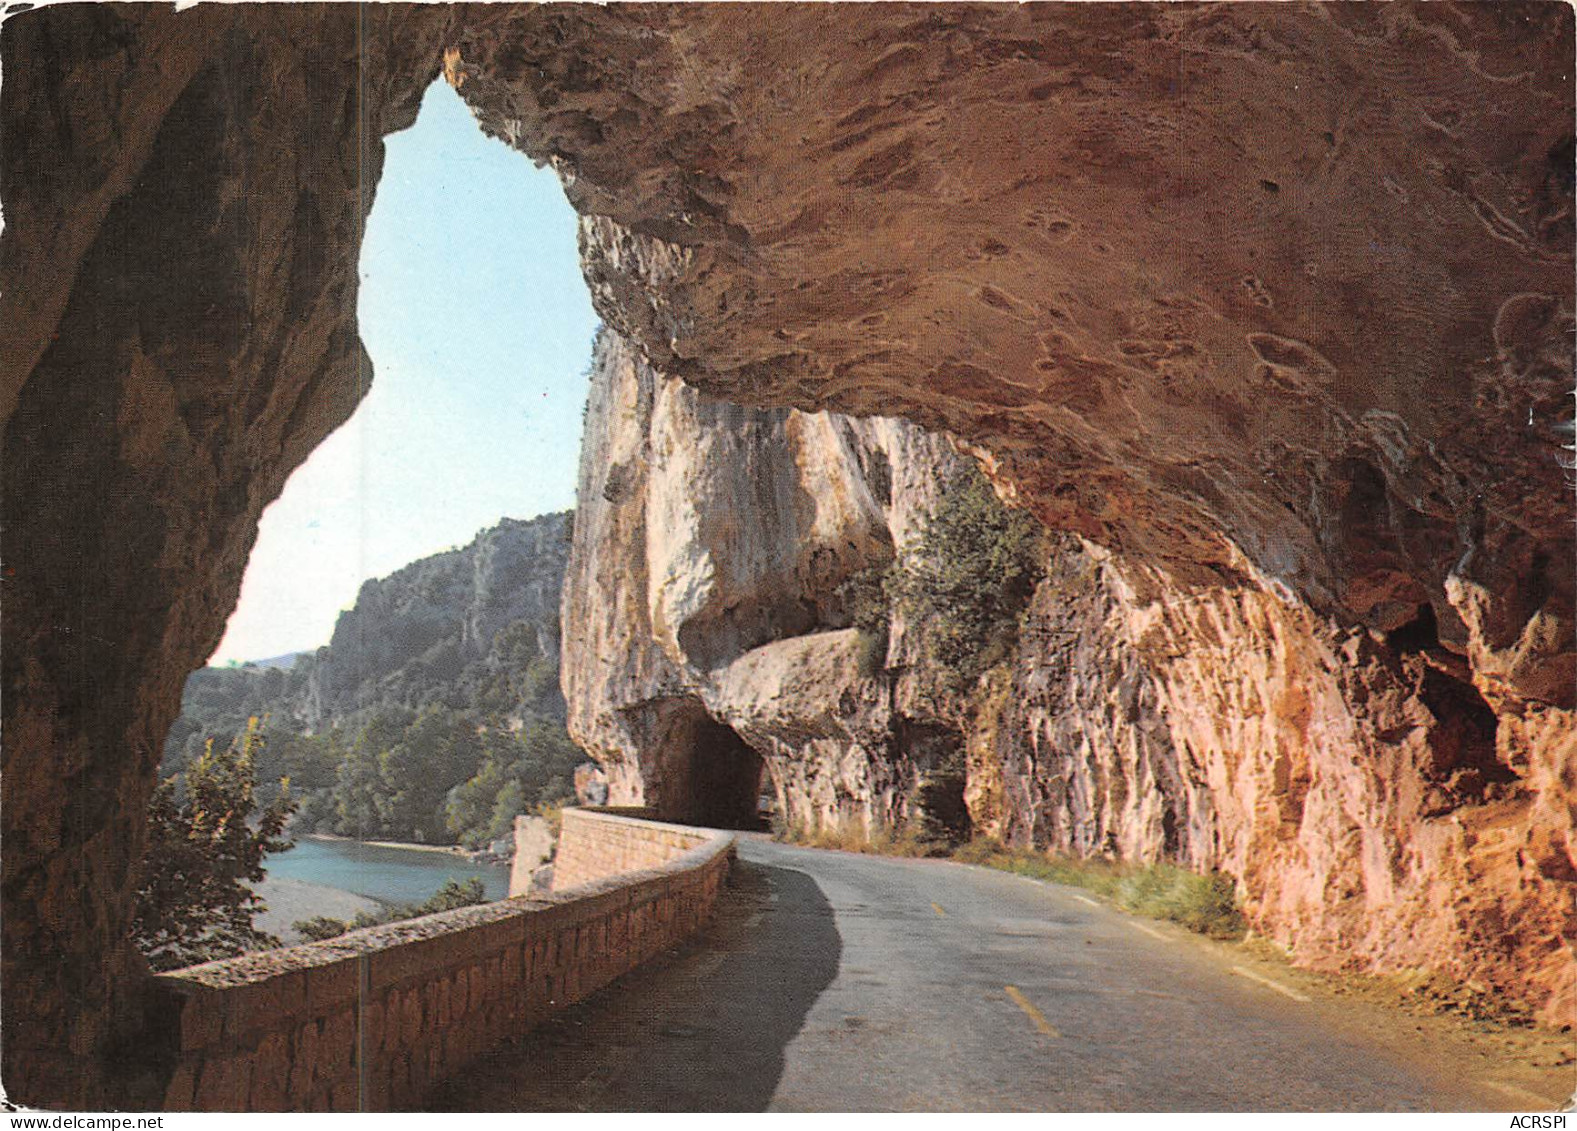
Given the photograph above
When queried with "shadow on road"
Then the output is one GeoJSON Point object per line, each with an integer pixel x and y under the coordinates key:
{"type": "Point", "coordinates": [703, 1029]}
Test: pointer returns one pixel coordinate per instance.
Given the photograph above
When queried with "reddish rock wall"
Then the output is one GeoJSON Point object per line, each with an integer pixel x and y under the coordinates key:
{"type": "Point", "coordinates": [1271, 300]}
{"type": "Point", "coordinates": [1376, 814]}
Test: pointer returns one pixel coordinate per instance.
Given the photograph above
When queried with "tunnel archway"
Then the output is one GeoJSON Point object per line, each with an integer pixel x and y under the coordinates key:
{"type": "Point", "coordinates": [703, 772]}
{"type": "Point", "coordinates": [179, 326]}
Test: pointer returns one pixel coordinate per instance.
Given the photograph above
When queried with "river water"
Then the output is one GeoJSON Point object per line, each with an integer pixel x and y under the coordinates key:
{"type": "Point", "coordinates": [339, 878]}
{"type": "Point", "coordinates": [388, 875]}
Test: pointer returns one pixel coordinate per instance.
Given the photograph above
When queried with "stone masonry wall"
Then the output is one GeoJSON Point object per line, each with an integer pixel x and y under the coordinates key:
{"type": "Point", "coordinates": [372, 1020]}
{"type": "Point", "coordinates": [594, 846]}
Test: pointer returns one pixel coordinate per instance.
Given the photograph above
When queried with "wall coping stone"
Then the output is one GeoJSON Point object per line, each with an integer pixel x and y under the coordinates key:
{"type": "Point", "coordinates": [587, 900]}
{"type": "Point", "coordinates": [374, 1018]}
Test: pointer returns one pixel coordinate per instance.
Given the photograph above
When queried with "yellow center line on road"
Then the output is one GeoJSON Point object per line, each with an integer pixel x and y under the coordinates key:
{"type": "Point", "coordinates": [1264, 981]}
{"type": "Point", "coordinates": [937, 907]}
{"type": "Point", "coordinates": [1030, 1011]}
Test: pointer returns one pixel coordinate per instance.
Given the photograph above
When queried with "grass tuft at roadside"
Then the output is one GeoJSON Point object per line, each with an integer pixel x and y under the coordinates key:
{"type": "Point", "coordinates": [1206, 904]}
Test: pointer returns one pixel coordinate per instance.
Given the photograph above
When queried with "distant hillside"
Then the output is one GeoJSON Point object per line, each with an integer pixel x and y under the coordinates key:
{"type": "Point", "coordinates": [460, 644]}
{"type": "Point", "coordinates": [285, 662]}
{"type": "Point", "coordinates": [474, 629]}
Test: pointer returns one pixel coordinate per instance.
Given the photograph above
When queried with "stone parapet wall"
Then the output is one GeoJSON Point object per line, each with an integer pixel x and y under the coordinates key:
{"type": "Point", "coordinates": [595, 844]}
{"type": "Point", "coordinates": [535, 842]}
{"type": "Point", "coordinates": [372, 1020]}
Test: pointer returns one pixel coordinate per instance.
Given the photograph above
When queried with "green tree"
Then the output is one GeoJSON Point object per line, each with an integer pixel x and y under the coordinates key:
{"type": "Point", "coordinates": [207, 837]}
{"type": "Point", "coordinates": [510, 803]}
{"type": "Point", "coordinates": [468, 811]}
{"type": "Point", "coordinates": [437, 752]}
{"type": "Point", "coordinates": [309, 761]}
{"type": "Point", "coordinates": [533, 766]}
{"type": "Point", "coordinates": [965, 580]}
{"type": "Point", "coordinates": [454, 895]}
{"type": "Point", "coordinates": [865, 596]}
{"type": "Point", "coordinates": [358, 786]}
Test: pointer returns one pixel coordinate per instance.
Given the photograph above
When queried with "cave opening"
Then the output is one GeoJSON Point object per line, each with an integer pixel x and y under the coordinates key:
{"type": "Point", "coordinates": [943, 777]}
{"type": "Point", "coordinates": [725, 779]}
{"type": "Point", "coordinates": [386, 633]}
{"type": "Point", "coordinates": [479, 326]}
{"type": "Point", "coordinates": [706, 774]}
{"type": "Point", "coordinates": [1420, 634]}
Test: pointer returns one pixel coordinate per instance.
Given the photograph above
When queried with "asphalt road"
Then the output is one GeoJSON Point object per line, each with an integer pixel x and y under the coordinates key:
{"type": "Point", "coordinates": [835, 982]}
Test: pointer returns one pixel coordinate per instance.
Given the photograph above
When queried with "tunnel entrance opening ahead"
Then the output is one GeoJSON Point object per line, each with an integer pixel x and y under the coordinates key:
{"type": "Point", "coordinates": [709, 775]}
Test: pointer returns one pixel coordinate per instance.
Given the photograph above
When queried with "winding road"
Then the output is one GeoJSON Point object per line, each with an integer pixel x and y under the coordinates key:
{"type": "Point", "coordinates": [836, 982]}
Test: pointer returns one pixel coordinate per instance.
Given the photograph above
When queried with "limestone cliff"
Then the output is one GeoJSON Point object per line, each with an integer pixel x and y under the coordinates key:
{"type": "Point", "coordinates": [475, 627]}
{"type": "Point", "coordinates": [706, 637]}
{"type": "Point", "coordinates": [434, 630]}
{"type": "Point", "coordinates": [1270, 302]}
{"type": "Point", "coordinates": [1356, 784]}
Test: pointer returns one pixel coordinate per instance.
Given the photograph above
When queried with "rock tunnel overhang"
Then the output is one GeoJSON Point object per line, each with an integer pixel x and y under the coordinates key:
{"type": "Point", "coordinates": [194, 421]}
{"type": "Point", "coordinates": [698, 771]}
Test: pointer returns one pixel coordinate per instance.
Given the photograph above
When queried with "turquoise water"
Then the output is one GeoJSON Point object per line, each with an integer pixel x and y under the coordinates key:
{"type": "Point", "coordinates": [389, 875]}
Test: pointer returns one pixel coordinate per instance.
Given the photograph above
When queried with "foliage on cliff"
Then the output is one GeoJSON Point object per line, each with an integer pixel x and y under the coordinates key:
{"type": "Point", "coordinates": [471, 629]}
{"type": "Point", "coordinates": [208, 832]}
{"type": "Point", "coordinates": [961, 584]}
{"type": "Point", "coordinates": [966, 579]}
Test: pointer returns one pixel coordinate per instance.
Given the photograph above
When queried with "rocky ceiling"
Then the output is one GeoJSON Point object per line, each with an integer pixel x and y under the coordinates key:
{"type": "Point", "coordinates": [1268, 295]}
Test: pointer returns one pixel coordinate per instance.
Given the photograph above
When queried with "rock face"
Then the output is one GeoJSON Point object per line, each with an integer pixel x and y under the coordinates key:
{"type": "Point", "coordinates": [184, 197]}
{"type": "Point", "coordinates": [433, 629]}
{"type": "Point", "coordinates": [475, 627]}
{"type": "Point", "coordinates": [708, 655]}
{"type": "Point", "coordinates": [1357, 785]}
{"type": "Point", "coordinates": [1375, 812]}
{"type": "Point", "coordinates": [534, 840]}
{"type": "Point", "coordinates": [1270, 302]}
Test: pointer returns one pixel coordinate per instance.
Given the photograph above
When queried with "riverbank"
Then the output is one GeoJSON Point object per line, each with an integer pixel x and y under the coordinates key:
{"type": "Point", "coordinates": [289, 900]}
{"type": "Point", "coordinates": [335, 870]}
{"type": "Point", "coordinates": [406, 846]}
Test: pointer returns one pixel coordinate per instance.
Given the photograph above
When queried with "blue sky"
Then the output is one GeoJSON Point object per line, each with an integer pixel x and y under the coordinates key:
{"type": "Point", "coordinates": [479, 326]}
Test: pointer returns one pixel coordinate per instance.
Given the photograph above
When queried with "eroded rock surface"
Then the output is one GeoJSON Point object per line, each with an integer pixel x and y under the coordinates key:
{"type": "Point", "coordinates": [1282, 283]}
{"type": "Point", "coordinates": [708, 640]}
{"type": "Point", "coordinates": [1375, 812]}
{"type": "Point", "coordinates": [1271, 302]}
{"type": "Point", "coordinates": [184, 196]}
